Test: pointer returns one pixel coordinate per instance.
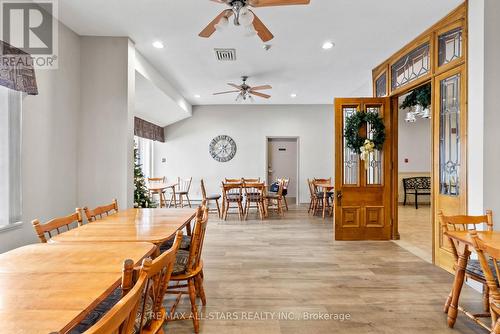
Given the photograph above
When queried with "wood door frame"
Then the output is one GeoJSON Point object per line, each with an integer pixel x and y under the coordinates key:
{"type": "Point", "coordinates": [456, 18]}
{"type": "Point", "coordinates": [297, 138]}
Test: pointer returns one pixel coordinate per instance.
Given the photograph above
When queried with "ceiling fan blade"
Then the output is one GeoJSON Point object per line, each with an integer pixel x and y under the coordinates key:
{"type": "Point", "coordinates": [230, 91]}
{"type": "Point", "coordinates": [264, 33]}
{"type": "Point", "coordinates": [260, 94]}
{"type": "Point", "coordinates": [269, 3]}
{"type": "Point", "coordinates": [261, 87]}
{"type": "Point", "coordinates": [218, 1]}
{"type": "Point", "coordinates": [234, 85]}
{"type": "Point", "coordinates": [210, 28]}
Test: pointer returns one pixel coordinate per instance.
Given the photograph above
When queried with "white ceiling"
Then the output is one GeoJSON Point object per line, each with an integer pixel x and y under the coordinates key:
{"type": "Point", "coordinates": [365, 33]}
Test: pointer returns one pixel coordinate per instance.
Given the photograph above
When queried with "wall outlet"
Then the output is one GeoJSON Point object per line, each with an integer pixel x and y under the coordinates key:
{"type": "Point", "coordinates": [163, 160]}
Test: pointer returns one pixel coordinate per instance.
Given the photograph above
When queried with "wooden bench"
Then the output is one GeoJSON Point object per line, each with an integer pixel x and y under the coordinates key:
{"type": "Point", "coordinates": [417, 186]}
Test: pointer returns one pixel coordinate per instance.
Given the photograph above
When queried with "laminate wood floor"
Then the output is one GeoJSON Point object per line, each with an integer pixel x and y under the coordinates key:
{"type": "Point", "coordinates": [415, 229]}
{"type": "Point", "coordinates": [260, 275]}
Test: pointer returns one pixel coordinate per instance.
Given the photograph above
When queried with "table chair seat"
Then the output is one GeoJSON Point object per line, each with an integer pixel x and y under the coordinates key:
{"type": "Point", "coordinates": [185, 244]}
{"type": "Point", "coordinates": [474, 268]}
{"type": "Point", "coordinates": [181, 262]}
{"type": "Point", "coordinates": [234, 197]}
{"type": "Point", "coordinates": [321, 194]}
{"type": "Point", "coordinates": [214, 197]}
{"type": "Point", "coordinates": [106, 305]}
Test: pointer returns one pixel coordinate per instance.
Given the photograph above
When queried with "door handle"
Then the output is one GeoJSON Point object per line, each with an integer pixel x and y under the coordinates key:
{"type": "Point", "coordinates": [339, 198]}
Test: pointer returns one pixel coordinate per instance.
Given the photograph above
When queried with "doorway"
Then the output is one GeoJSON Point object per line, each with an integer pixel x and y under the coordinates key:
{"type": "Point", "coordinates": [283, 162]}
{"type": "Point", "coordinates": [415, 172]}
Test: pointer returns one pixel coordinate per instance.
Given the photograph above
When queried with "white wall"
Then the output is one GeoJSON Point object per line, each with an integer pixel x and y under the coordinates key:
{"type": "Point", "coordinates": [105, 142]}
{"type": "Point", "coordinates": [186, 147]}
{"type": "Point", "coordinates": [491, 102]}
{"type": "Point", "coordinates": [414, 143]}
{"type": "Point", "coordinates": [49, 143]}
{"type": "Point", "coordinates": [475, 126]}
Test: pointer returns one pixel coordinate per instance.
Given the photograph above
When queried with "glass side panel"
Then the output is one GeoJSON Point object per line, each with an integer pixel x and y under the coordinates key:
{"type": "Point", "coordinates": [351, 158]}
{"type": "Point", "coordinates": [411, 66]}
{"type": "Point", "coordinates": [449, 136]}
{"type": "Point", "coordinates": [381, 85]}
{"type": "Point", "coordinates": [374, 172]}
{"type": "Point", "coordinates": [450, 46]}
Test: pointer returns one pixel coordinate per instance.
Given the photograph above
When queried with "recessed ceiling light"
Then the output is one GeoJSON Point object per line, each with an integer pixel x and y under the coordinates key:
{"type": "Point", "coordinates": [158, 45]}
{"type": "Point", "coordinates": [197, 96]}
{"type": "Point", "coordinates": [293, 95]}
{"type": "Point", "coordinates": [328, 45]}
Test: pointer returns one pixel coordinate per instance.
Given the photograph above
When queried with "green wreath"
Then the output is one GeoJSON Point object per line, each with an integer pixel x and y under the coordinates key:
{"type": "Point", "coordinates": [354, 123]}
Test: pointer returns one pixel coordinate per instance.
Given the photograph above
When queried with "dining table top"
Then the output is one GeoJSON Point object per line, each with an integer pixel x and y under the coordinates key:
{"type": "Point", "coordinates": [132, 225]}
{"type": "Point", "coordinates": [488, 237]}
{"type": "Point", "coordinates": [46, 288]}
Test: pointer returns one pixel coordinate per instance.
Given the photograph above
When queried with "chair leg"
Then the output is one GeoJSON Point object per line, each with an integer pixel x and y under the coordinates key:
{"type": "Point", "coordinates": [286, 203]}
{"type": "Point", "coordinates": [486, 298]}
{"type": "Point", "coordinates": [189, 202]}
{"type": "Point", "coordinates": [226, 208]}
{"type": "Point", "coordinates": [218, 208]}
{"type": "Point", "coordinates": [240, 209]}
{"type": "Point", "coordinates": [245, 211]}
{"type": "Point", "coordinates": [261, 209]}
{"type": "Point", "coordinates": [416, 201]}
{"type": "Point", "coordinates": [404, 202]}
{"type": "Point", "coordinates": [200, 289]}
{"type": "Point", "coordinates": [194, 309]}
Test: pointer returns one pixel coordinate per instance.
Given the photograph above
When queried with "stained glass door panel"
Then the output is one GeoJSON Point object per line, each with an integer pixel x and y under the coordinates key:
{"type": "Point", "coordinates": [362, 188]}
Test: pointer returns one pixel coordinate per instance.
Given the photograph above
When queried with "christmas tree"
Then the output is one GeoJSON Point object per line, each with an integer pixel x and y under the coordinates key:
{"type": "Point", "coordinates": [142, 199]}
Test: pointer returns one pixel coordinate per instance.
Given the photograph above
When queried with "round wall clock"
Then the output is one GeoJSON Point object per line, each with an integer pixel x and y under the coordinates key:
{"type": "Point", "coordinates": [222, 148]}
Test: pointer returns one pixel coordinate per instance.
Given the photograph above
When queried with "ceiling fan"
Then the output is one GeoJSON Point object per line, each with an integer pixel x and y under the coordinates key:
{"type": "Point", "coordinates": [245, 91]}
{"type": "Point", "coordinates": [246, 17]}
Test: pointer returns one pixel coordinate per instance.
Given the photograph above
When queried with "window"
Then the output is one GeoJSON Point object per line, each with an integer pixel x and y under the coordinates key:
{"type": "Point", "coordinates": [410, 67]}
{"type": "Point", "coordinates": [10, 157]}
{"type": "Point", "coordinates": [145, 151]}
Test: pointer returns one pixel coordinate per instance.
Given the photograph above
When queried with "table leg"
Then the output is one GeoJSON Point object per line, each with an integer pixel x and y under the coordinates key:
{"type": "Point", "coordinates": [324, 202]}
{"type": "Point", "coordinates": [452, 301]}
{"type": "Point", "coordinates": [175, 198]}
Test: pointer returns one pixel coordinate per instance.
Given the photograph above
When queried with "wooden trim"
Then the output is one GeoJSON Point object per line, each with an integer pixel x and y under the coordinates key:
{"type": "Point", "coordinates": [458, 14]}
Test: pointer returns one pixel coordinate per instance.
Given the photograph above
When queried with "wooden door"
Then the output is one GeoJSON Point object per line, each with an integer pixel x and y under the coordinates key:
{"type": "Point", "coordinates": [450, 155]}
{"type": "Point", "coordinates": [362, 188]}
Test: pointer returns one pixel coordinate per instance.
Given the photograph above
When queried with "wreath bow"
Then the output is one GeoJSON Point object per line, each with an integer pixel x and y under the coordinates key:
{"type": "Point", "coordinates": [363, 145]}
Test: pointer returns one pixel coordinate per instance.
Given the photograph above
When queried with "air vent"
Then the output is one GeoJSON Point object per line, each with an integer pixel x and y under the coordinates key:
{"type": "Point", "coordinates": [225, 54]}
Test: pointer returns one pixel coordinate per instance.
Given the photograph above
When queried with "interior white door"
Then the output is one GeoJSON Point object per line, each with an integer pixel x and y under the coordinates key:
{"type": "Point", "coordinates": [282, 162]}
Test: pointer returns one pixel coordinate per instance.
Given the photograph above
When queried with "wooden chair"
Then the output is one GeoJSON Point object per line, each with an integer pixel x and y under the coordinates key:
{"type": "Point", "coordinates": [101, 211]}
{"type": "Point", "coordinates": [183, 186]}
{"type": "Point", "coordinates": [275, 200]}
{"type": "Point", "coordinates": [488, 257]}
{"type": "Point", "coordinates": [154, 192]}
{"type": "Point", "coordinates": [286, 183]}
{"type": "Point", "coordinates": [207, 199]}
{"type": "Point", "coordinates": [56, 226]}
{"type": "Point", "coordinates": [121, 318]}
{"type": "Point", "coordinates": [254, 193]}
{"type": "Point", "coordinates": [468, 223]}
{"type": "Point", "coordinates": [256, 180]}
{"type": "Point", "coordinates": [233, 181]}
{"type": "Point", "coordinates": [232, 194]}
{"type": "Point", "coordinates": [320, 197]}
{"type": "Point", "coordinates": [314, 198]}
{"type": "Point", "coordinates": [152, 314]}
{"type": "Point", "coordinates": [189, 269]}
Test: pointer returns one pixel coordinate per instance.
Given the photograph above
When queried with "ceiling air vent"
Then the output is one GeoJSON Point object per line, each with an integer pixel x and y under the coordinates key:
{"type": "Point", "coordinates": [225, 54]}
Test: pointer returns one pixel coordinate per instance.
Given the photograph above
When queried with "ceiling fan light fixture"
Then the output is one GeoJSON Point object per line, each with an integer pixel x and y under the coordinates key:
{"type": "Point", "coordinates": [246, 18]}
{"type": "Point", "coordinates": [223, 23]}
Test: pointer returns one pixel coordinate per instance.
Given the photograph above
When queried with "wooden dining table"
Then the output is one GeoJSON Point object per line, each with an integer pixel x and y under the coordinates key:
{"type": "Point", "coordinates": [327, 187]}
{"type": "Point", "coordinates": [132, 225]}
{"type": "Point", "coordinates": [464, 246]}
{"type": "Point", "coordinates": [160, 188]}
{"type": "Point", "coordinates": [50, 288]}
